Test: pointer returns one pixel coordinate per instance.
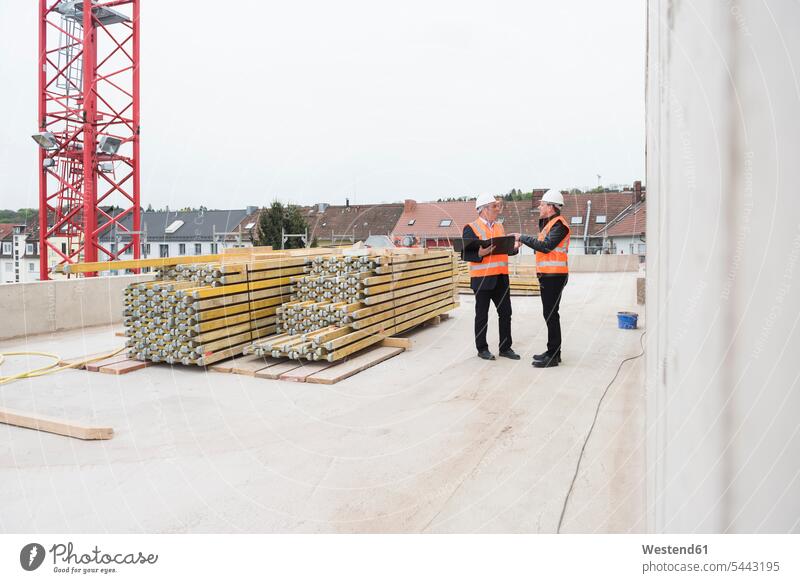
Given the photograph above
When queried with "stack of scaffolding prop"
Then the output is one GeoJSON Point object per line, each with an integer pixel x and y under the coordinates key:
{"type": "Point", "coordinates": [522, 279]}
{"type": "Point", "coordinates": [349, 302]}
{"type": "Point", "coordinates": [203, 313]}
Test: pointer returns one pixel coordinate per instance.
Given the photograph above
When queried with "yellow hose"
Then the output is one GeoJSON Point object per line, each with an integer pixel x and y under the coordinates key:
{"type": "Point", "coordinates": [37, 372]}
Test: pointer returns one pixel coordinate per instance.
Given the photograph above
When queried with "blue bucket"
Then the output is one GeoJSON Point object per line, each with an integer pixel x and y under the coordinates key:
{"type": "Point", "coordinates": [627, 320]}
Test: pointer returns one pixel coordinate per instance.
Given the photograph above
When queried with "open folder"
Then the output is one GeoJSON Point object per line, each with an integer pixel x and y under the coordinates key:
{"type": "Point", "coordinates": [502, 245]}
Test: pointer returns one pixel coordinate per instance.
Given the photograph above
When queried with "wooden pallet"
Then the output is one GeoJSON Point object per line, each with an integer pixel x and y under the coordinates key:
{"type": "Point", "coordinates": [115, 365]}
{"type": "Point", "coordinates": [320, 372]}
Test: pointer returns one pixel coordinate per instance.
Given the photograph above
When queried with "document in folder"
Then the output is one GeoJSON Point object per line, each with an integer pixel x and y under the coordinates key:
{"type": "Point", "coordinates": [502, 245]}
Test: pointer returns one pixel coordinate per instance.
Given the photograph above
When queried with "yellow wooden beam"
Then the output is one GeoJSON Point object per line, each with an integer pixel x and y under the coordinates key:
{"type": "Point", "coordinates": [90, 267]}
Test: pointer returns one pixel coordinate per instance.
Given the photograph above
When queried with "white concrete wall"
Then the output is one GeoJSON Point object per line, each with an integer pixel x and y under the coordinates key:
{"type": "Point", "coordinates": [723, 140]}
{"type": "Point", "coordinates": [592, 263]}
{"type": "Point", "coordinates": [49, 306]}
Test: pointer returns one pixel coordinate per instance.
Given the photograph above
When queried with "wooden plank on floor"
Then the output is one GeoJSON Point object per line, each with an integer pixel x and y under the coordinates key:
{"type": "Point", "coordinates": [224, 366]}
{"type": "Point", "coordinates": [301, 373]}
{"type": "Point", "coordinates": [53, 425]}
{"type": "Point", "coordinates": [74, 359]}
{"type": "Point", "coordinates": [395, 342]}
{"type": "Point", "coordinates": [249, 365]}
{"type": "Point", "coordinates": [275, 371]}
{"type": "Point", "coordinates": [355, 365]}
{"type": "Point", "coordinates": [124, 367]}
{"type": "Point", "coordinates": [96, 365]}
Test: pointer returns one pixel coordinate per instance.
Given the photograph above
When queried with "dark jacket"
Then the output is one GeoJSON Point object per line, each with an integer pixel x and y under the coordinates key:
{"type": "Point", "coordinates": [550, 242]}
{"type": "Point", "coordinates": [478, 283]}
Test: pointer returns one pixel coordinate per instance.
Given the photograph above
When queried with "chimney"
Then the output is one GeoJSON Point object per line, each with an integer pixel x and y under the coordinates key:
{"type": "Point", "coordinates": [637, 192]}
{"type": "Point", "coordinates": [409, 205]}
{"type": "Point", "coordinates": [321, 206]}
{"type": "Point", "coordinates": [251, 209]}
{"type": "Point", "coordinates": [538, 193]}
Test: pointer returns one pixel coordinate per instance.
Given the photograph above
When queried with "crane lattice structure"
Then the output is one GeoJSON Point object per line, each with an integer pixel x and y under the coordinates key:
{"type": "Point", "coordinates": [88, 129]}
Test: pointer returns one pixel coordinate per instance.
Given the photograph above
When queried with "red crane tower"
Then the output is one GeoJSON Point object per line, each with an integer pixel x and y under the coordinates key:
{"type": "Point", "coordinates": [88, 130]}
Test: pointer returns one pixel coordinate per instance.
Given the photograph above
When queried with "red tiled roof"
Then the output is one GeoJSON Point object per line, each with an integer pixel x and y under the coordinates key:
{"type": "Point", "coordinates": [427, 217]}
{"type": "Point", "coordinates": [6, 229]}
{"type": "Point", "coordinates": [356, 221]}
{"type": "Point", "coordinates": [607, 204]}
{"type": "Point", "coordinates": [520, 216]}
{"type": "Point", "coordinates": [634, 222]}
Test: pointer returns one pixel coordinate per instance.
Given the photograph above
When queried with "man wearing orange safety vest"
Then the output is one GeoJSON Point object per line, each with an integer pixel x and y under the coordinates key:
{"type": "Point", "coordinates": [551, 246]}
{"type": "Point", "coordinates": [488, 273]}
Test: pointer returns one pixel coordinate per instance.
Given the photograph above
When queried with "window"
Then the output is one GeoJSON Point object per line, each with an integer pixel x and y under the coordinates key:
{"type": "Point", "coordinates": [113, 248]}
{"type": "Point", "coordinates": [182, 249]}
{"type": "Point", "coordinates": [214, 248]}
{"type": "Point", "coordinates": [600, 219]}
{"type": "Point", "coordinates": [411, 222]}
{"type": "Point", "coordinates": [6, 248]}
{"type": "Point", "coordinates": [577, 220]}
{"type": "Point", "coordinates": [145, 249]}
{"type": "Point", "coordinates": [64, 248]}
{"type": "Point", "coordinates": [198, 248]}
{"type": "Point", "coordinates": [445, 222]}
{"type": "Point", "coordinates": [249, 226]}
{"type": "Point", "coordinates": [31, 267]}
{"type": "Point", "coordinates": [174, 226]}
{"type": "Point", "coordinates": [163, 250]}
{"type": "Point", "coordinates": [29, 248]}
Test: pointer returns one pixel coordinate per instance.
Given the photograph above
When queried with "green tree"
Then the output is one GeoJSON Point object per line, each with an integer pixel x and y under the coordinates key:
{"type": "Point", "coordinates": [275, 218]}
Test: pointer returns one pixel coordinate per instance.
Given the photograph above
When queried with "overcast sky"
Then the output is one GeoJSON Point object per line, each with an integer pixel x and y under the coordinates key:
{"type": "Point", "coordinates": [312, 101]}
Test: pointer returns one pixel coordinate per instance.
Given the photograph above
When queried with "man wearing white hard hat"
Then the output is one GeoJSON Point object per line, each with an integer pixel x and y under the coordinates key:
{"type": "Point", "coordinates": [489, 276]}
{"type": "Point", "coordinates": [551, 246]}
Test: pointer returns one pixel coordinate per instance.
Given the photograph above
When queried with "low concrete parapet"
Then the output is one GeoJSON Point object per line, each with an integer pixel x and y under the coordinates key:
{"type": "Point", "coordinates": [49, 306]}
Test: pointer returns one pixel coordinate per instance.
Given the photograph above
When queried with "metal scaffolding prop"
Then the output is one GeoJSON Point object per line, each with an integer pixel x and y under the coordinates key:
{"type": "Point", "coordinates": [350, 302]}
{"type": "Point", "coordinates": [88, 130]}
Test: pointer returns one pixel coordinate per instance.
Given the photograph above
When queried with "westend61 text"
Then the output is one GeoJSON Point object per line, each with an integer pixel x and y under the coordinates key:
{"type": "Point", "coordinates": [671, 550]}
{"type": "Point", "coordinates": [95, 556]}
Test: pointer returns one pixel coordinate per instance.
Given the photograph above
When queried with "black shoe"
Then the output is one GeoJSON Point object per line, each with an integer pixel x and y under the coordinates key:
{"type": "Point", "coordinates": [509, 354]}
{"type": "Point", "coordinates": [486, 355]}
{"type": "Point", "coordinates": [547, 363]}
{"type": "Point", "coordinates": [545, 356]}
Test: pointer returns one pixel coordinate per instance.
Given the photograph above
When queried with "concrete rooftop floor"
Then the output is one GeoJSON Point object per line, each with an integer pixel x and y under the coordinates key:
{"type": "Point", "coordinates": [433, 440]}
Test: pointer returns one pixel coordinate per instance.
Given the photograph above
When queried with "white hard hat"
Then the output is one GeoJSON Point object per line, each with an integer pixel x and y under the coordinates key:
{"type": "Point", "coordinates": [484, 199]}
{"type": "Point", "coordinates": [553, 196]}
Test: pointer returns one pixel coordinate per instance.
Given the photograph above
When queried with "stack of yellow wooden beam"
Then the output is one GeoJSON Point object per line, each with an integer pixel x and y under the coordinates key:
{"type": "Point", "coordinates": [355, 301]}
{"type": "Point", "coordinates": [522, 279]}
{"type": "Point", "coordinates": [205, 313]}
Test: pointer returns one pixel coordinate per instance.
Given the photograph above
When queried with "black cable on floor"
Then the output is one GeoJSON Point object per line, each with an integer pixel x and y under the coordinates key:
{"type": "Point", "coordinates": [588, 435]}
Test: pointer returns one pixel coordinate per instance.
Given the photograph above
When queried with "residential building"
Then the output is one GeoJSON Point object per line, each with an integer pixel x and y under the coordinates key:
{"type": "Point", "coordinates": [625, 235]}
{"type": "Point", "coordinates": [173, 233]}
{"type": "Point", "coordinates": [19, 253]}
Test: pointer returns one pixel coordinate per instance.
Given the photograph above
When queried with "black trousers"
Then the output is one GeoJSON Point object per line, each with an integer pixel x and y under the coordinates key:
{"type": "Point", "coordinates": [550, 287]}
{"type": "Point", "coordinates": [501, 296]}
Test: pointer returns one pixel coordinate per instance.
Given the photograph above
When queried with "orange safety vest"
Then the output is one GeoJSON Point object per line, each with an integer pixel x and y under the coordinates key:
{"type": "Point", "coordinates": [494, 264]}
{"type": "Point", "coordinates": [556, 260]}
